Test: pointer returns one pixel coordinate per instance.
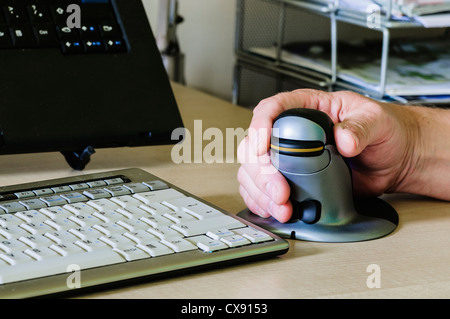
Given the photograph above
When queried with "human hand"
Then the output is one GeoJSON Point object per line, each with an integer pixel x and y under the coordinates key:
{"type": "Point", "coordinates": [378, 138]}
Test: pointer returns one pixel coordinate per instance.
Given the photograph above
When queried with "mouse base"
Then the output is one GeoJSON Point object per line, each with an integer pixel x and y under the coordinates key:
{"type": "Point", "coordinates": [374, 219]}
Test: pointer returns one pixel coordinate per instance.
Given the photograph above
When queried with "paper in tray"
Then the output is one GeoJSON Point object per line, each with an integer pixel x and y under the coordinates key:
{"type": "Point", "coordinates": [414, 68]}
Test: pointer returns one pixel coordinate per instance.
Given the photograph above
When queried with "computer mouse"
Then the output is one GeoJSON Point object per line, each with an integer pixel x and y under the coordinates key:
{"type": "Point", "coordinates": [303, 149]}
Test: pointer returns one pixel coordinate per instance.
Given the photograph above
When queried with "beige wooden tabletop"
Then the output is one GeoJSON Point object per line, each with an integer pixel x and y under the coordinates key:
{"type": "Point", "coordinates": [412, 262]}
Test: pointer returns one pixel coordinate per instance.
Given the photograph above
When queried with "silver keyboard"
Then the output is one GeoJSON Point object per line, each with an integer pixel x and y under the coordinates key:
{"type": "Point", "coordinates": [63, 235]}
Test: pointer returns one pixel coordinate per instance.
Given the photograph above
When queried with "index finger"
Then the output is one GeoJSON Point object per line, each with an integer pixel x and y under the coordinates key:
{"type": "Point", "coordinates": [268, 109]}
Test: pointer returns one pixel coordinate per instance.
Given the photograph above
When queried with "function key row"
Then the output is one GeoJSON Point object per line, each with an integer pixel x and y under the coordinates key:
{"type": "Point", "coordinates": [45, 26]}
{"type": "Point", "coordinates": [74, 193]}
{"type": "Point", "coordinates": [13, 195]}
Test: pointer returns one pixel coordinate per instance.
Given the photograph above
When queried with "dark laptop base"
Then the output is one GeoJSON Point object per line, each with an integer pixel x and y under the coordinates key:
{"type": "Point", "coordinates": [75, 103]}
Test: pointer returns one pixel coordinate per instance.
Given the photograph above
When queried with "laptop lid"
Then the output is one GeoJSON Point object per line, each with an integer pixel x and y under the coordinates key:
{"type": "Point", "coordinates": [85, 89]}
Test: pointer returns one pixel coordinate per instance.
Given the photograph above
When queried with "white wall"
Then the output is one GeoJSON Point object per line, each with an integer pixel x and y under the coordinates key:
{"type": "Point", "coordinates": [207, 39]}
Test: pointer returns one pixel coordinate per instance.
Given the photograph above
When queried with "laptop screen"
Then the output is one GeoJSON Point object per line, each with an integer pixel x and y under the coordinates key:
{"type": "Point", "coordinates": [97, 84]}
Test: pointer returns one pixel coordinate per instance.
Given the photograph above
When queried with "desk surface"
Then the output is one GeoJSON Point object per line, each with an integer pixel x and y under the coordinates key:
{"type": "Point", "coordinates": [414, 261]}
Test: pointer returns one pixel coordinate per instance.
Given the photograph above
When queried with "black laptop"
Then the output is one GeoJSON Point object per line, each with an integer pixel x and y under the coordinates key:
{"type": "Point", "coordinates": [76, 75]}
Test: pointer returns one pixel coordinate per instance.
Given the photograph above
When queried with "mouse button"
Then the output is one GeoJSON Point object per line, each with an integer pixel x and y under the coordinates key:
{"type": "Point", "coordinates": [298, 128]}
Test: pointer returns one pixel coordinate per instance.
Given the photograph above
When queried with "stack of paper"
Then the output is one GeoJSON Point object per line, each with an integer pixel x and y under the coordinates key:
{"type": "Point", "coordinates": [414, 68]}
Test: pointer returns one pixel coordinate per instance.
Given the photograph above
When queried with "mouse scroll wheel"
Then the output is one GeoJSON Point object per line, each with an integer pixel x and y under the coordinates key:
{"type": "Point", "coordinates": [297, 147]}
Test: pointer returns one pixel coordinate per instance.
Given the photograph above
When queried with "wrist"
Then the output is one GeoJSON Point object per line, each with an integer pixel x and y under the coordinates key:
{"type": "Point", "coordinates": [426, 167]}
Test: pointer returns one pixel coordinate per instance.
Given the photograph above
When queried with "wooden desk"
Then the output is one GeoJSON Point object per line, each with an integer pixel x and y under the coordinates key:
{"type": "Point", "coordinates": [414, 261]}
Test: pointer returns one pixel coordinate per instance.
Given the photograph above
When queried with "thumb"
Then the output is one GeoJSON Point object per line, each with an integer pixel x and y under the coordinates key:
{"type": "Point", "coordinates": [351, 137]}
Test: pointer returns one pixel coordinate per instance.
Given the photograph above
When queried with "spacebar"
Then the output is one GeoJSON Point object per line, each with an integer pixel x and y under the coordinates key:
{"type": "Point", "coordinates": [58, 265]}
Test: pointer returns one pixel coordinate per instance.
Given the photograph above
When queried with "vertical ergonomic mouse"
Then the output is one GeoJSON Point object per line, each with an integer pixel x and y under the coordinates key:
{"type": "Point", "coordinates": [324, 208]}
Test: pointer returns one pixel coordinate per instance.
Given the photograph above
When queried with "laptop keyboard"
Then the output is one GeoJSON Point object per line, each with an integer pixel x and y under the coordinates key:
{"type": "Point", "coordinates": [113, 226]}
{"type": "Point", "coordinates": [34, 24]}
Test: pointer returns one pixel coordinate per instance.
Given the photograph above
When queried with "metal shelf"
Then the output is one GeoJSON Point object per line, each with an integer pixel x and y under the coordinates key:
{"type": "Point", "coordinates": [332, 11]}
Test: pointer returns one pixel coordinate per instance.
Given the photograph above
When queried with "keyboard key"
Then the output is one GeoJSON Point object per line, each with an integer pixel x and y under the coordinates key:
{"type": "Point", "coordinates": [96, 183]}
{"type": "Point", "coordinates": [110, 30]}
{"type": "Point", "coordinates": [156, 221]}
{"type": "Point", "coordinates": [61, 237]}
{"type": "Point", "coordinates": [117, 190]}
{"type": "Point", "coordinates": [136, 187]}
{"type": "Point", "coordinates": [58, 14]}
{"type": "Point", "coordinates": [74, 197]}
{"type": "Point", "coordinates": [103, 204]}
{"type": "Point", "coordinates": [133, 212]}
{"type": "Point", "coordinates": [131, 252]}
{"type": "Point", "coordinates": [255, 236]}
{"type": "Point", "coordinates": [201, 227]}
{"type": "Point", "coordinates": [79, 186]}
{"type": "Point", "coordinates": [61, 189]}
{"type": "Point", "coordinates": [140, 236]}
{"type": "Point", "coordinates": [10, 246]}
{"type": "Point", "coordinates": [155, 185]}
{"type": "Point", "coordinates": [84, 220]}
{"type": "Point", "coordinates": [31, 216]}
{"type": "Point", "coordinates": [53, 200]}
{"type": "Point", "coordinates": [9, 220]}
{"type": "Point", "coordinates": [13, 231]}
{"type": "Point", "coordinates": [33, 203]}
{"type": "Point", "coordinates": [15, 14]}
{"type": "Point", "coordinates": [80, 208]}
{"type": "Point", "coordinates": [155, 208]}
{"type": "Point", "coordinates": [36, 228]}
{"type": "Point", "coordinates": [36, 241]}
{"type": "Point", "coordinates": [158, 196]}
{"type": "Point", "coordinates": [126, 201]}
{"type": "Point", "coordinates": [115, 240]}
{"type": "Point", "coordinates": [235, 241]}
{"type": "Point", "coordinates": [41, 253]}
{"type": "Point", "coordinates": [43, 191]}
{"type": "Point", "coordinates": [38, 13]}
{"type": "Point", "coordinates": [179, 217]}
{"type": "Point", "coordinates": [96, 193]}
{"type": "Point", "coordinates": [163, 232]}
{"type": "Point", "coordinates": [207, 244]}
{"type": "Point", "coordinates": [90, 31]}
{"type": "Point", "coordinates": [12, 207]}
{"type": "Point", "coordinates": [14, 259]}
{"type": "Point", "coordinates": [115, 45]}
{"type": "Point", "coordinates": [108, 229]}
{"type": "Point", "coordinates": [217, 234]}
{"type": "Point", "coordinates": [113, 181]}
{"type": "Point", "coordinates": [71, 46]}
{"type": "Point", "coordinates": [108, 216]}
{"type": "Point", "coordinates": [55, 212]}
{"type": "Point", "coordinates": [193, 207]}
{"type": "Point", "coordinates": [61, 224]}
{"type": "Point", "coordinates": [25, 194]}
{"type": "Point", "coordinates": [91, 245]}
{"type": "Point", "coordinates": [85, 233]}
{"type": "Point", "coordinates": [66, 249]}
{"type": "Point", "coordinates": [94, 46]}
{"type": "Point", "coordinates": [178, 244]}
{"type": "Point", "coordinates": [155, 249]}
